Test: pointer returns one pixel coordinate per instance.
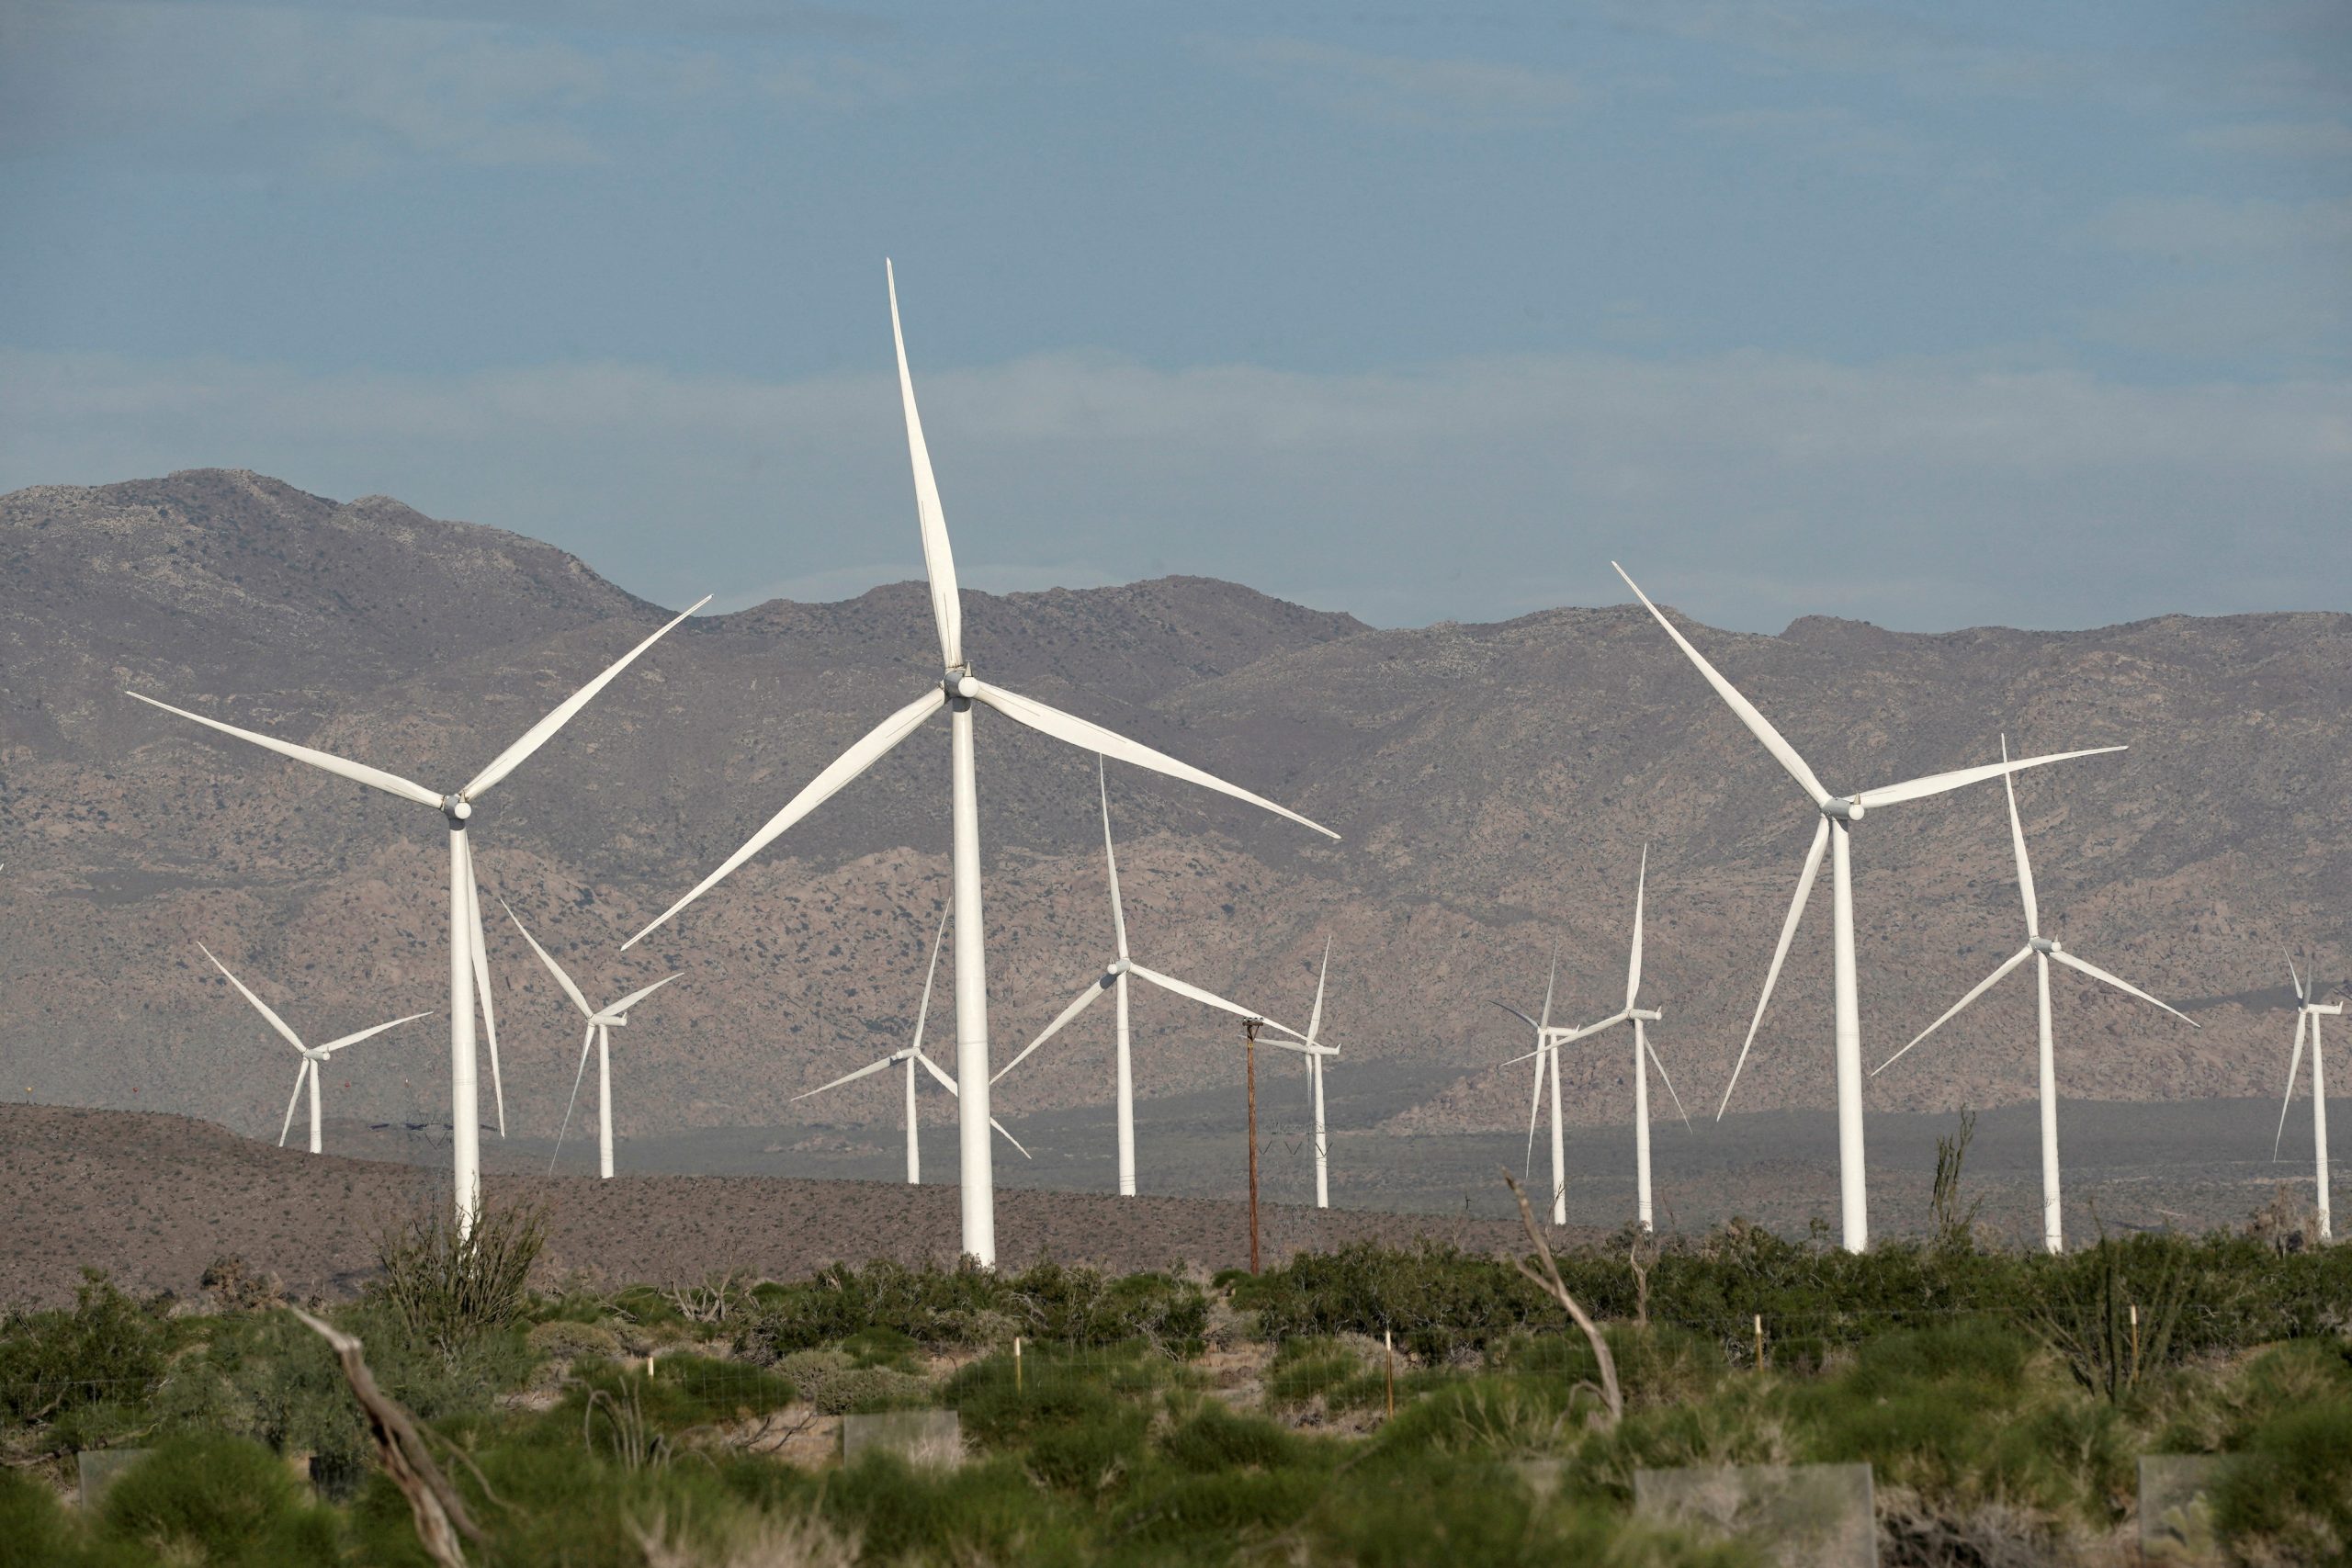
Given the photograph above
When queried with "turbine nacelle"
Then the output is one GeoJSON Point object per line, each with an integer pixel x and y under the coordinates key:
{"type": "Point", "coordinates": [960, 685]}
{"type": "Point", "coordinates": [2044, 944]}
{"type": "Point", "coordinates": [457, 807]}
{"type": "Point", "coordinates": [1845, 810]}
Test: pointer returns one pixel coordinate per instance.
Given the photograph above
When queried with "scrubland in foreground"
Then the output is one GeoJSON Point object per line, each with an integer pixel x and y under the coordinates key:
{"type": "Point", "coordinates": [2002, 1400]}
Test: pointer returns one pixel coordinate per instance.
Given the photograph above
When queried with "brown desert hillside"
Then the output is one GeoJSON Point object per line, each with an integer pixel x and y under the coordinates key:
{"type": "Point", "coordinates": [1494, 785]}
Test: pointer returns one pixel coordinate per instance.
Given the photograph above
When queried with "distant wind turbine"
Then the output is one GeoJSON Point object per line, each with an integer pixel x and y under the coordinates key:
{"type": "Point", "coordinates": [601, 1024]}
{"type": "Point", "coordinates": [1547, 1061]}
{"type": "Point", "coordinates": [1645, 1055]}
{"type": "Point", "coordinates": [1313, 1037]}
{"type": "Point", "coordinates": [2309, 1010]}
{"type": "Point", "coordinates": [314, 1056]}
{"type": "Point", "coordinates": [1113, 980]}
{"type": "Point", "coordinates": [2041, 950]}
{"type": "Point", "coordinates": [912, 1056]}
{"type": "Point", "coordinates": [469, 960]}
{"type": "Point", "coordinates": [1839, 815]}
{"type": "Point", "coordinates": [957, 691]}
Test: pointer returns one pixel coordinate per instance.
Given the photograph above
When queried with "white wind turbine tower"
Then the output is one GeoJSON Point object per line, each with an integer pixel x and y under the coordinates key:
{"type": "Point", "coordinates": [1113, 980]}
{"type": "Point", "coordinates": [913, 1057]}
{"type": "Point", "coordinates": [314, 1056]}
{"type": "Point", "coordinates": [1838, 814]}
{"type": "Point", "coordinates": [468, 959]}
{"type": "Point", "coordinates": [2041, 950]}
{"type": "Point", "coordinates": [1547, 1060]}
{"type": "Point", "coordinates": [2309, 1010]}
{"type": "Point", "coordinates": [601, 1024]}
{"type": "Point", "coordinates": [957, 691]}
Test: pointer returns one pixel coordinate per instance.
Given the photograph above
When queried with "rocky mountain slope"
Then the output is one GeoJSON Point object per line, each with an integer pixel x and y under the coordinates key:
{"type": "Point", "coordinates": [1495, 785]}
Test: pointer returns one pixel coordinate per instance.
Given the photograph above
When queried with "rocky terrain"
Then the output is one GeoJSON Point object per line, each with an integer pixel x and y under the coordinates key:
{"type": "Point", "coordinates": [1494, 783]}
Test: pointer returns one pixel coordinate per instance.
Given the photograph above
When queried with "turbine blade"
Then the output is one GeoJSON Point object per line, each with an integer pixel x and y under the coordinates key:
{"type": "Point", "coordinates": [481, 958]}
{"type": "Point", "coordinates": [2295, 1065]}
{"type": "Point", "coordinates": [1315, 1019]}
{"type": "Point", "coordinates": [334, 1046]}
{"type": "Point", "coordinates": [358, 773]}
{"type": "Point", "coordinates": [938, 561]}
{"type": "Point", "coordinates": [1596, 1026]}
{"type": "Point", "coordinates": [1085, 1000]}
{"type": "Point", "coordinates": [1987, 983]}
{"type": "Point", "coordinates": [1534, 1105]}
{"type": "Point", "coordinates": [300, 1075]}
{"type": "Point", "coordinates": [934, 1069]}
{"type": "Point", "coordinates": [1659, 1063]}
{"type": "Point", "coordinates": [1092, 737]}
{"type": "Point", "coordinates": [2017, 841]}
{"type": "Point", "coordinates": [618, 1011]}
{"type": "Point", "coordinates": [1008, 1136]}
{"type": "Point", "coordinates": [823, 787]}
{"type": "Point", "coordinates": [1523, 1018]}
{"type": "Point", "coordinates": [507, 762]}
{"type": "Point", "coordinates": [1806, 877]}
{"type": "Point", "coordinates": [2291, 974]}
{"type": "Point", "coordinates": [1633, 968]}
{"type": "Point", "coordinates": [1110, 856]}
{"type": "Point", "coordinates": [1758, 725]}
{"type": "Point", "coordinates": [275, 1022]}
{"type": "Point", "coordinates": [2095, 972]}
{"type": "Point", "coordinates": [547, 958]}
{"type": "Point", "coordinates": [866, 1071]}
{"type": "Point", "coordinates": [1549, 981]}
{"type": "Point", "coordinates": [578, 1073]}
{"type": "Point", "coordinates": [923, 1013]}
{"type": "Point", "coordinates": [1936, 784]}
{"type": "Point", "coordinates": [1206, 998]}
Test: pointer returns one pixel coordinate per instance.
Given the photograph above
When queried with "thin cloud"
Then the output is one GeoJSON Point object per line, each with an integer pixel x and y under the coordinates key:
{"type": "Point", "coordinates": [2320, 139]}
{"type": "Point", "coordinates": [1404, 89]}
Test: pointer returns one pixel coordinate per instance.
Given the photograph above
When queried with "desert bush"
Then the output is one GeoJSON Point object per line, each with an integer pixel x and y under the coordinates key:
{"type": "Point", "coordinates": [452, 1288]}
{"type": "Point", "coordinates": [984, 1512]}
{"type": "Point", "coordinates": [67, 1369]}
{"type": "Point", "coordinates": [567, 1339]}
{"type": "Point", "coordinates": [835, 1383]}
{"type": "Point", "coordinates": [2288, 1497]}
{"type": "Point", "coordinates": [217, 1500]}
{"type": "Point", "coordinates": [968, 1305]}
{"type": "Point", "coordinates": [267, 1378]}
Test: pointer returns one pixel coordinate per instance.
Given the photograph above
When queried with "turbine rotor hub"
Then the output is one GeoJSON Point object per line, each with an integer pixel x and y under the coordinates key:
{"type": "Point", "coordinates": [959, 684]}
{"type": "Point", "coordinates": [2043, 944]}
{"type": "Point", "coordinates": [1116, 967]}
{"type": "Point", "coordinates": [1843, 809]}
{"type": "Point", "coordinates": [457, 808]}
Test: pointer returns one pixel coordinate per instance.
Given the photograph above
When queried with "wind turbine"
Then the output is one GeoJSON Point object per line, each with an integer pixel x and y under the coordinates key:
{"type": "Point", "coordinates": [2310, 1009]}
{"type": "Point", "coordinates": [313, 1055]}
{"type": "Point", "coordinates": [469, 955]}
{"type": "Point", "coordinates": [1645, 1055]}
{"type": "Point", "coordinates": [913, 1057]}
{"type": "Point", "coordinates": [1547, 1060]}
{"type": "Point", "coordinates": [1839, 815]}
{"type": "Point", "coordinates": [1314, 1078]}
{"type": "Point", "coordinates": [957, 691]}
{"type": "Point", "coordinates": [1113, 980]}
{"type": "Point", "coordinates": [2041, 950]}
{"type": "Point", "coordinates": [601, 1024]}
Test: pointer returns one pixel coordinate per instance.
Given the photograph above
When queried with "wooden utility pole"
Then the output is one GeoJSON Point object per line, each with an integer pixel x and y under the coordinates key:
{"type": "Point", "coordinates": [1249, 1051]}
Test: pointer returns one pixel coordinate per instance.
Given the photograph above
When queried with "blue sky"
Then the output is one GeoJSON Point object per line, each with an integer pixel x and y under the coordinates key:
{"type": "Point", "coordinates": [1930, 315]}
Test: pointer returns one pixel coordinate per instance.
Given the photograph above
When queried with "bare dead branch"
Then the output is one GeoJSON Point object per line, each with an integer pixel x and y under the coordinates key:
{"type": "Point", "coordinates": [1550, 1285]}
{"type": "Point", "coordinates": [439, 1512]}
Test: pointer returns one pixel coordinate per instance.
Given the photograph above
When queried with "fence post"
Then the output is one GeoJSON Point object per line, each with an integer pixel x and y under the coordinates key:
{"type": "Point", "coordinates": [2135, 1343]}
{"type": "Point", "coordinates": [1759, 1341]}
{"type": "Point", "coordinates": [1016, 1363]}
{"type": "Point", "coordinates": [1388, 1339]}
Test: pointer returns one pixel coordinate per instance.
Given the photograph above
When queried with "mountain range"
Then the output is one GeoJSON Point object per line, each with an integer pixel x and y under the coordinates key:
{"type": "Point", "coordinates": [1495, 785]}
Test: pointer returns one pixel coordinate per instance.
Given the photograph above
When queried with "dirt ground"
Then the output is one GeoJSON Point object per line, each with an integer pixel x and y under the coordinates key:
{"type": "Point", "coordinates": [154, 1199]}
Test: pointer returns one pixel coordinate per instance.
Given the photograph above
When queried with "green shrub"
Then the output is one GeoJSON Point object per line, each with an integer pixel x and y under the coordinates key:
{"type": "Point", "coordinates": [2288, 1498]}
{"type": "Point", "coordinates": [1215, 1440]}
{"type": "Point", "coordinates": [565, 1339]}
{"type": "Point", "coordinates": [217, 1500]}
{"type": "Point", "coordinates": [452, 1287]}
{"type": "Point", "coordinates": [968, 1305]}
{"type": "Point", "coordinates": [835, 1384]}
{"type": "Point", "coordinates": [107, 1351]}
